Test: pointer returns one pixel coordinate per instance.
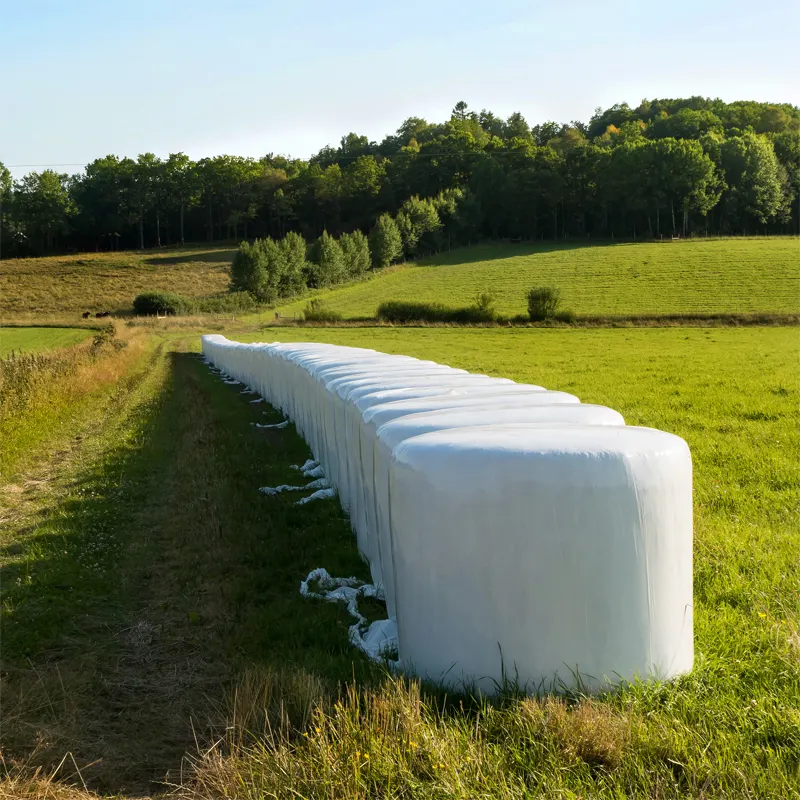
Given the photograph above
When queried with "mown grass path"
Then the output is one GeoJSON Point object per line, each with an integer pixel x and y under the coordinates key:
{"type": "Point", "coordinates": [144, 568]}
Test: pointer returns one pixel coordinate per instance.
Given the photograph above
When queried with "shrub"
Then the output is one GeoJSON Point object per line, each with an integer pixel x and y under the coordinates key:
{"type": "Point", "coordinates": [404, 311]}
{"type": "Point", "coordinates": [565, 316]}
{"type": "Point", "coordinates": [328, 266]}
{"type": "Point", "coordinates": [317, 311]}
{"type": "Point", "coordinates": [483, 308]}
{"type": "Point", "coordinates": [543, 302]}
{"type": "Point", "coordinates": [152, 303]}
{"type": "Point", "coordinates": [235, 302]}
{"type": "Point", "coordinates": [356, 253]}
{"type": "Point", "coordinates": [106, 337]}
{"type": "Point", "coordinates": [295, 265]}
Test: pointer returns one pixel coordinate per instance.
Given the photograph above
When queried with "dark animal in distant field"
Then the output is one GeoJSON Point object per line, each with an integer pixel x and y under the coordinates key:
{"type": "Point", "coordinates": [86, 314]}
{"type": "Point", "coordinates": [101, 314]}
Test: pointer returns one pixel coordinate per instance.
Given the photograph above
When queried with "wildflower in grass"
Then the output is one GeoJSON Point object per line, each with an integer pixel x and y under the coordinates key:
{"type": "Point", "coordinates": [761, 614]}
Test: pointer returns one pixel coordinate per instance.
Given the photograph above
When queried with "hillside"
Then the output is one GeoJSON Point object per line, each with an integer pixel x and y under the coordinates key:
{"type": "Point", "coordinates": [67, 285]}
{"type": "Point", "coordinates": [715, 275]}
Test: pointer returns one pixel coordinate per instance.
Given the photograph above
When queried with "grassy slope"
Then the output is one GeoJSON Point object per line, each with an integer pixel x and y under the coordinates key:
{"type": "Point", "coordinates": [27, 340]}
{"type": "Point", "coordinates": [728, 275]}
{"type": "Point", "coordinates": [70, 285]}
{"type": "Point", "coordinates": [733, 275]}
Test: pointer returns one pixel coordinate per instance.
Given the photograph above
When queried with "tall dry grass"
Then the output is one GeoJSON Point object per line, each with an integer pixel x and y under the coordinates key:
{"type": "Point", "coordinates": [286, 737]}
{"type": "Point", "coordinates": [37, 389]}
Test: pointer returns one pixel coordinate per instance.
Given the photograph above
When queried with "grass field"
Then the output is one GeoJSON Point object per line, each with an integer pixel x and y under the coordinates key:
{"type": "Point", "coordinates": [70, 285]}
{"type": "Point", "coordinates": [727, 275]}
{"type": "Point", "coordinates": [721, 275]}
{"type": "Point", "coordinates": [150, 595]}
{"type": "Point", "coordinates": [32, 340]}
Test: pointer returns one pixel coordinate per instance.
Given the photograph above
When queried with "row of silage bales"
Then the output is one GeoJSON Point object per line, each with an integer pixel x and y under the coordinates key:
{"type": "Point", "coordinates": [515, 531]}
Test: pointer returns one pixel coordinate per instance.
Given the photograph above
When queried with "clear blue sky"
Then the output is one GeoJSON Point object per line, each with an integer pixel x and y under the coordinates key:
{"type": "Point", "coordinates": [83, 78]}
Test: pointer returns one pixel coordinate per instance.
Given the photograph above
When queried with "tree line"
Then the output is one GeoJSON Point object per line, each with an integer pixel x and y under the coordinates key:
{"type": "Point", "coordinates": [665, 167]}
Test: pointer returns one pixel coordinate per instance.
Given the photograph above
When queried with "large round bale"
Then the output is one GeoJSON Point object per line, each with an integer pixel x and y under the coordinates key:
{"type": "Point", "coordinates": [314, 402]}
{"type": "Point", "coordinates": [388, 436]}
{"type": "Point", "coordinates": [364, 397]}
{"type": "Point", "coordinates": [336, 401]}
{"type": "Point", "coordinates": [457, 397]}
{"type": "Point", "coordinates": [302, 387]}
{"type": "Point", "coordinates": [558, 557]}
{"type": "Point", "coordinates": [309, 372]}
{"type": "Point", "coordinates": [347, 420]}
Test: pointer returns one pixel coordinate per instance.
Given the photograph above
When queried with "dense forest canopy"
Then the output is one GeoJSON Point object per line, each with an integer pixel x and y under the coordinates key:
{"type": "Point", "coordinates": [666, 167]}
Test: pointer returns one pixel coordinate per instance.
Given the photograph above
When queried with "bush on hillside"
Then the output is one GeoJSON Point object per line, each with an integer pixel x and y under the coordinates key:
{"type": "Point", "coordinates": [235, 302]}
{"type": "Point", "coordinates": [355, 249]}
{"type": "Point", "coordinates": [543, 302]}
{"type": "Point", "coordinates": [317, 311]}
{"type": "Point", "coordinates": [406, 311]}
{"type": "Point", "coordinates": [402, 311]}
{"type": "Point", "coordinates": [385, 243]}
{"type": "Point", "coordinates": [328, 264]}
{"type": "Point", "coordinates": [483, 307]}
{"type": "Point", "coordinates": [151, 304]}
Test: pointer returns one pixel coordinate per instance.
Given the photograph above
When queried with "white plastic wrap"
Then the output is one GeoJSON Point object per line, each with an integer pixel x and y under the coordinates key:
{"type": "Point", "coordinates": [334, 422]}
{"type": "Point", "coordinates": [462, 397]}
{"type": "Point", "coordinates": [364, 397]}
{"type": "Point", "coordinates": [557, 556]}
{"type": "Point", "coordinates": [389, 435]}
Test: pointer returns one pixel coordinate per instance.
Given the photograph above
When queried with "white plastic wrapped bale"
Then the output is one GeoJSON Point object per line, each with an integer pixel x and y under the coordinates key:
{"type": "Point", "coordinates": [317, 401]}
{"type": "Point", "coordinates": [459, 397]}
{"type": "Point", "coordinates": [557, 556]}
{"type": "Point", "coordinates": [336, 400]}
{"type": "Point", "coordinates": [364, 397]}
{"type": "Point", "coordinates": [316, 372]}
{"type": "Point", "coordinates": [388, 436]}
{"type": "Point", "coordinates": [301, 368]}
{"type": "Point", "coordinates": [347, 421]}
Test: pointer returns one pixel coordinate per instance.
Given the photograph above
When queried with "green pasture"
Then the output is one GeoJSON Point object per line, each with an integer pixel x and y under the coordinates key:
{"type": "Point", "coordinates": [693, 276]}
{"type": "Point", "coordinates": [30, 340]}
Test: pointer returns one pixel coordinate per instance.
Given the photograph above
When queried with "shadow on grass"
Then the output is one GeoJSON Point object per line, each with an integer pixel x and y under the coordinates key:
{"type": "Point", "coordinates": [222, 256]}
{"type": "Point", "coordinates": [495, 251]}
{"type": "Point", "coordinates": [132, 601]}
